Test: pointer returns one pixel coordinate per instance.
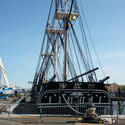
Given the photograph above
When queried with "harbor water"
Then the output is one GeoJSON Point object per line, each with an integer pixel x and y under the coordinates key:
{"type": "Point", "coordinates": [118, 110]}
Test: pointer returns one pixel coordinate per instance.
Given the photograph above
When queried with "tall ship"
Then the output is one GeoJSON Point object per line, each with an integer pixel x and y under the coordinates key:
{"type": "Point", "coordinates": [65, 81]}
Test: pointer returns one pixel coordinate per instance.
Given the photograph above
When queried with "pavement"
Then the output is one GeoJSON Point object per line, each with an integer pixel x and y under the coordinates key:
{"type": "Point", "coordinates": [9, 122]}
{"type": "Point", "coordinates": [31, 120]}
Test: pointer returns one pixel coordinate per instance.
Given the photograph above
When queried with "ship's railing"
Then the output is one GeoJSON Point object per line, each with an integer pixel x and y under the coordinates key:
{"type": "Point", "coordinates": [74, 93]}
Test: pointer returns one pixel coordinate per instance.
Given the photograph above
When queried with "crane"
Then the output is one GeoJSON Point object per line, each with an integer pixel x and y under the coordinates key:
{"type": "Point", "coordinates": [2, 72]}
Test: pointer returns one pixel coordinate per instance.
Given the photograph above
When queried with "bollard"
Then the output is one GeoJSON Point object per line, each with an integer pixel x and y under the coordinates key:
{"type": "Point", "coordinates": [120, 107]}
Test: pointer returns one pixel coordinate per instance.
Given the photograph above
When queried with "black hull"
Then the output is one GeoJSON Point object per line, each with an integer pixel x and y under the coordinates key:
{"type": "Point", "coordinates": [73, 101]}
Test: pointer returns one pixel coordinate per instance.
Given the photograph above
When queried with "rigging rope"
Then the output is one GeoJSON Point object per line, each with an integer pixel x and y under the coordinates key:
{"type": "Point", "coordinates": [85, 42]}
{"type": "Point", "coordinates": [75, 53]}
{"type": "Point", "coordinates": [91, 40]}
{"type": "Point", "coordinates": [39, 59]}
{"type": "Point", "coordinates": [79, 48]}
{"type": "Point", "coordinates": [71, 106]}
{"type": "Point", "coordinates": [39, 87]}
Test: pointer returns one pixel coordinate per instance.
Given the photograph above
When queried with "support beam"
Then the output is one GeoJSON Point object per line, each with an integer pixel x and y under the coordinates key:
{"type": "Point", "coordinates": [61, 15]}
{"type": "Point", "coordinates": [55, 31]}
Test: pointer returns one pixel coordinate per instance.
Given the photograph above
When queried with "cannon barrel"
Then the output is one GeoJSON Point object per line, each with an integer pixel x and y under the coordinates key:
{"type": "Point", "coordinates": [83, 74]}
{"type": "Point", "coordinates": [103, 80]}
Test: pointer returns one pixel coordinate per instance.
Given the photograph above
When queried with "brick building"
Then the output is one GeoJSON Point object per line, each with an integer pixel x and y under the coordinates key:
{"type": "Point", "coordinates": [113, 89]}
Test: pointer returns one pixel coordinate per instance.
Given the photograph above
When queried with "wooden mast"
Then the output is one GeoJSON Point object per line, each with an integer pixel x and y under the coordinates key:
{"type": "Point", "coordinates": [56, 5]}
{"type": "Point", "coordinates": [65, 56]}
{"type": "Point", "coordinates": [66, 40]}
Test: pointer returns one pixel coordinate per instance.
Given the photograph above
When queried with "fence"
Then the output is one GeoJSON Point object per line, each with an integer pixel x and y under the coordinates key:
{"type": "Point", "coordinates": [72, 110]}
{"type": "Point", "coordinates": [35, 112]}
{"type": "Point", "coordinates": [61, 109]}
